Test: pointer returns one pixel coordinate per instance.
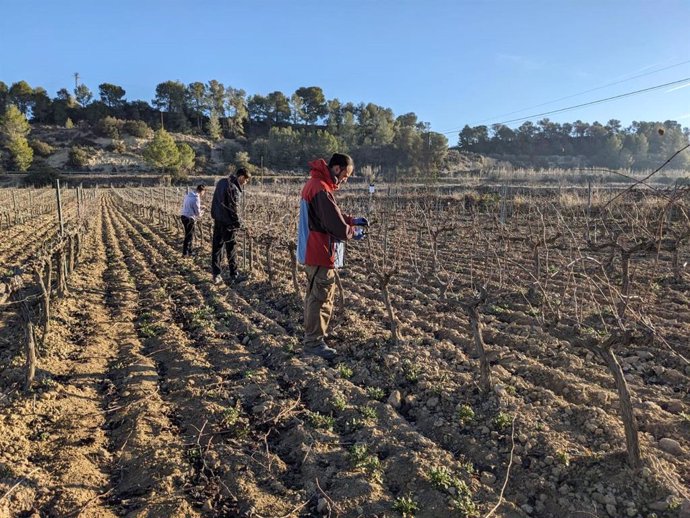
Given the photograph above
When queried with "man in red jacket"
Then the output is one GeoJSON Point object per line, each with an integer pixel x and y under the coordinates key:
{"type": "Point", "coordinates": [322, 229]}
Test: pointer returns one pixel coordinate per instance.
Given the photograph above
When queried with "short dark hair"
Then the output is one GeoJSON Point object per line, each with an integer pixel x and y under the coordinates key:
{"type": "Point", "coordinates": [341, 159]}
{"type": "Point", "coordinates": [200, 188]}
{"type": "Point", "coordinates": [242, 171]}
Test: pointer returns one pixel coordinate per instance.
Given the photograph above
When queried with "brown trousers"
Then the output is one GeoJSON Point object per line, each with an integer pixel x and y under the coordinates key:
{"type": "Point", "coordinates": [318, 304]}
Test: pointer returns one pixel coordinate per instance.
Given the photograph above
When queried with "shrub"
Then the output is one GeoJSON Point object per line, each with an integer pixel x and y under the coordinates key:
{"type": "Point", "coordinates": [109, 127]}
{"type": "Point", "coordinates": [78, 156]}
{"type": "Point", "coordinates": [137, 129]}
{"type": "Point", "coordinates": [41, 148]}
{"type": "Point", "coordinates": [230, 150]}
{"type": "Point", "coordinates": [118, 146]}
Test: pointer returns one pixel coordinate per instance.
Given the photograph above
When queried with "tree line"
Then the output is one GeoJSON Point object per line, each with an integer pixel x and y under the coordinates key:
{"type": "Point", "coordinates": [275, 130]}
{"type": "Point", "coordinates": [642, 145]}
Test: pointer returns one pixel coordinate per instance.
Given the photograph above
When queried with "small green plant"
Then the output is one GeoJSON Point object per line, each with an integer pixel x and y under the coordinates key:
{"type": "Point", "coordinates": [361, 458]}
{"type": "Point", "coordinates": [248, 374]}
{"type": "Point", "coordinates": [497, 308]}
{"type": "Point", "coordinates": [674, 504]}
{"type": "Point", "coordinates": [502, 421]}
{"type": "Point", "coordinates": [410, 371]}
{"type": "Point", "coordinates": [354, 423]}
{"type": "Point", "coordinates": [406, 506]}
{"type": "Point", "coordinates": [467, 467]}
{"type": "Point", "coordinates": [441, 477]}
{"type": "Point", "coordinates": [376, 393]}
{"type": "Point", "coordinates": [339, 402]}
{"type": "Point", "coordinates": [464, 504]}
{"type": "Point", "coordinates": [193, 454]}
{"type": "Point", "coordinates": [319, 420]}
{"type": "Point", "coordinates": [231, 416]}
{"type": "Point", "coordinates": [563, 457]}
{"type": "Point", "coordinates": [150, 330]}
{"type": "Point", "coordinates": [368, 412]}
{"type": "Point", "coordinates": [465, 414]}
{"type": "Point", "coordinates": [201, 317]}
{"type": "Point", "coordinates": [533, 312]}
{"type": "Point", "coordinates": [344, 371]}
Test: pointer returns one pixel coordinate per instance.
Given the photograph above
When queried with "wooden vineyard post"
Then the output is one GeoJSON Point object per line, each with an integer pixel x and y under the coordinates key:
{"type": "Point", "coordinates": [16, 211]}
{"type": "Point", "coordinates": [504, 195]}
{"type": "Point", "coordinates": [59, 207]}
{"type": "Point", "coordinates": [45, 293]}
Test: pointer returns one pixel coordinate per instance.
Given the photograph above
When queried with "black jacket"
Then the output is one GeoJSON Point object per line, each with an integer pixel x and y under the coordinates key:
{"type": "Point", "coordinates": [225, 208]}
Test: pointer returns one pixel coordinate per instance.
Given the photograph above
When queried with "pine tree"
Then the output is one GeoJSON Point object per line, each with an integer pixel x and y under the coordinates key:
{"type": "Point", "coordinates": [13, 129]}
{"type": "Point", "coordinates": [214, 129]}
{"type": "Point", "coordinates": [22, 154]}
{"type": "Point", "coordinates": [162, 152]}
{"type": "Point", "coordinates": [185, 163]}
{"type": "Point", "coordinates": [14, 124]}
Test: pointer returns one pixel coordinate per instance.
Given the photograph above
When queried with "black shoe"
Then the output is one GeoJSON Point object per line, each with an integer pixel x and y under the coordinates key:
{"type": "Point", "coordinates": [322, 350]}
{"type": "Point", "coordinates": [236, 278]}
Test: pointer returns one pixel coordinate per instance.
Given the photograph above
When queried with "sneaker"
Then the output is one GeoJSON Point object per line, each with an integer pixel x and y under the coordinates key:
{"type": "Point", "coordinates": [217, 279]}
{"type": "Point", "coordinates": [322, 350]}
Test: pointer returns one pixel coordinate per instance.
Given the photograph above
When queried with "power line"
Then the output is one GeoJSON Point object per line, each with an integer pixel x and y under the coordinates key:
{"type": "Point", "coordinates": [587, 91]}
{"type": "Point", "coordinates": [590, 103]}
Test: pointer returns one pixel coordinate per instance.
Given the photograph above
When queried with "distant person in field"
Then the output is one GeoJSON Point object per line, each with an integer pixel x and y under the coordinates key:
{"type": "Point", "coordinates": [191, 211]}
{"type": "Point", "coordinates": [322, 228]}
{"type": "Point", "coordinates": [225, 211]}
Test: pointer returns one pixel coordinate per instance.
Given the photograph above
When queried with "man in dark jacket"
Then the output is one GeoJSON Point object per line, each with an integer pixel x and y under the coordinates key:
{"type": "Point", "coordinates": [225, 211]}
{"type": "Point", "coordinates": [322, 229]}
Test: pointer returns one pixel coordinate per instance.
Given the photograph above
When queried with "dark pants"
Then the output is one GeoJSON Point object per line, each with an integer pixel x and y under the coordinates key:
{"type": "Point", "coordinates": [188, 224]}
{"type": "Point", "coordinates": [223, 235]}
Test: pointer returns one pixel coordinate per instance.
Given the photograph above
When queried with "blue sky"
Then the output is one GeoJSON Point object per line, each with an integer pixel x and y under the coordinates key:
{"type": "Point", "coordinates": [451, 62]}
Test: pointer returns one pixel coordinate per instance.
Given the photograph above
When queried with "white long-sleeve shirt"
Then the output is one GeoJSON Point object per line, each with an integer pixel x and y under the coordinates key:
{"type": "Point", "coordinates": [191, 205]}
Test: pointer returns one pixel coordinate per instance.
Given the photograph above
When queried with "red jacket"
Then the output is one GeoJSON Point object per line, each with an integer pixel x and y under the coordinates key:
{"type": "Point", "coordinates": [321, 223]}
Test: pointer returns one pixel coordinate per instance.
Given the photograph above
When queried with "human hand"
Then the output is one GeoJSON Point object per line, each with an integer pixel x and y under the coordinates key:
{"type": "Point", "coordinates": [360, 222]}
{"type": "Point", "coordinates": [359, 234]}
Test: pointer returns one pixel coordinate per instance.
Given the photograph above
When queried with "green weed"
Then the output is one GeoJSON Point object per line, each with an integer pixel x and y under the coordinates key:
{"type": "Point", "coordinates": [502, 421]}
{"type": "Point", "coordinates": [406, 506]}
{"type": "Point", "coordinates": [465, 414]}
{"type": "Point", "coordinates": [368, 412]}
{"type": "Point", "coordinates": [344, 371]}
{"type": "Point", "coordinates": [376, 393]}
{"type": "Point", "coordinates": [361, 458]}
{"type": "Point", "coordinates": [339, 402]}
{"type": "Point", "coordinates": [319, 420]}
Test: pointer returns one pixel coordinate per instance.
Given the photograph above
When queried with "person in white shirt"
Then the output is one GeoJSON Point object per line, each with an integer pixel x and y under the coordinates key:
{"type": "Point", "coordinates": [191, 211]}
